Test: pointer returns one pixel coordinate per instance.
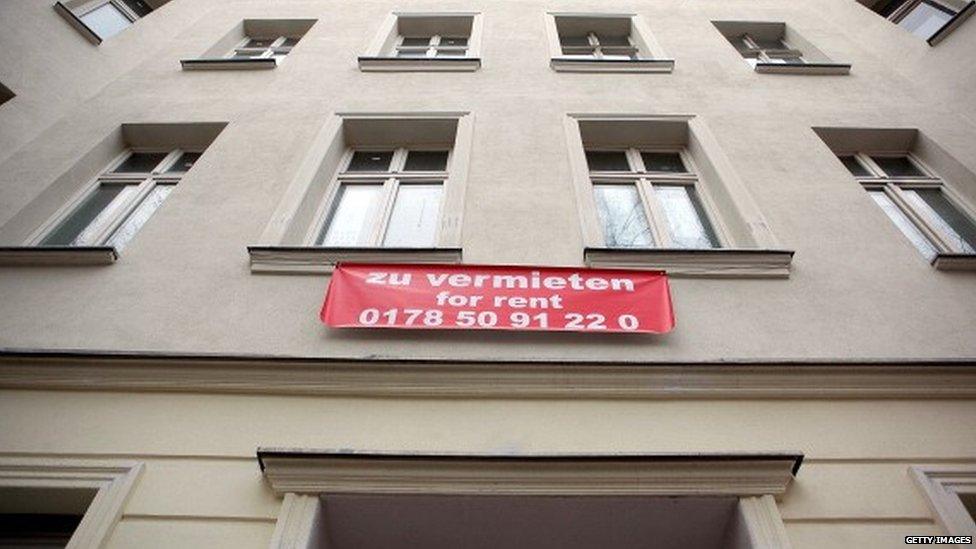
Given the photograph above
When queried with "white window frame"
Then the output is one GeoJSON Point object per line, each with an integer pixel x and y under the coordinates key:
{"type": "Point", "coordinates": [756, 54]}
{"type": "Point", "coordinates": [893, 189]}
{"type": "Point", "coordinates": [645, 181]}
{"type": "Point", "coordinates": [277, 49]}
{"type": "Point", "coordinates": [596, 48]}
{"type": "Point", "coordinates": [942, 485]}
{"type": "Point", "coordinates": [145, 182]}
{"type": "Point", "coordinates": [390, 181]}
{"type": "Point", "coordinates": [433, 46]}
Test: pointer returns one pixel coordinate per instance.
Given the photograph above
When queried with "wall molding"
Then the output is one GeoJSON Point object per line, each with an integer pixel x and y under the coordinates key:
{"type": "Point", "coordinates": [304, 471]}
{"type": "Point", "coordinates": [942, 485]}
{"type": "Point", "coordinates": [112, 480]}
{"type": "Point", "coordinates": [441, 378]}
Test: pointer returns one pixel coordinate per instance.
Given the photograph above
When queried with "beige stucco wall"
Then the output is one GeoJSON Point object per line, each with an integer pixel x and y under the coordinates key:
{"type": "Point", "coordinates": [202, 486]}
{"type": "Point", "coordinates": [858, 289]}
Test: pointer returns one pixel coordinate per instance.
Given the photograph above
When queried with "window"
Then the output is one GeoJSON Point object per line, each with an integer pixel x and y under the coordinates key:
{"type": "Point", "coordinates": [603, 42]}
{"type": "Point", "coordinates": [648, 199]}
{"type": "Point", "coordinates": [252, 44]}
{"type": "Point", "coordinates": [916, 201]}
{"type": "Point", "coordinates": [374, 188]}
{"type": "Point", "coordinates": [930, 20]}
{"type": "Point", "coordinates": [99, 20]}
{"type": "Point", "coordinates": [773, 47]}
{"type": "Point", "coordinates": [950, 491]}
{"type": "Point", "coordinates": [422, 42]}
{"type": "Point", "coordinates": [387, 198]}
{"type": "Point", "coordinates": [122, 199]}
{"type": "Point", "coordinates": [656, 192]}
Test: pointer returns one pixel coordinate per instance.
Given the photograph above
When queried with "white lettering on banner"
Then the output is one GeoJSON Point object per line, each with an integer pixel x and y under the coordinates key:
{"type": "Point", "coordinates": [534, 281]}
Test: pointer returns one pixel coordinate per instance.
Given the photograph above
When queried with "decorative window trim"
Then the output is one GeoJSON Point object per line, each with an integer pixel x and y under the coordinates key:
{"type": "Point", "coordinates": [275, 253]}
{"type": "Point", "coordinates": [113, 481]}
{"type": "Point", "coordinates": [377, 58]}
{"type": "Point", "coordinates": [751, 251]}
{"type": "Point", "coordinates": [301, 475]}
{"type": "Point", "coordinates": [945, 258]}
{"type": "Point", "coordinates": [942, 485]}
{"type": "Point", "coordinates": [656, 60]}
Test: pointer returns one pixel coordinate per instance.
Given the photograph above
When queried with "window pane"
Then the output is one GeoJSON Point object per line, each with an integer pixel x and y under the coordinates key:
{"type": "Point", "coordinates": [370, 161]}
{"type": "Point", "coordinates": [607, 161]}
{"type": "Point", "coordinates": [426, 161]}
{"type": "Point", "coordinates": [904, 224]}
{"type": "Point", "coordinates": [574, 41]}
{"type": "Point", "coordinates": [619, 53]}
{"type": "Point", "coordinates": [416, 211]}
{"type": "Point", "coordinates": [353, 216]}
{"type": "Point", "coordinates": [454, 41]}
{"type": "Point", "coordinates": [415, 41]}
{"type": "Point", "coordinates": [769, 43]}
{"type": "Point", "coordinates": [622, 216]}
{"type": "Point", "coordinates": [451, 53]}
{"type": "Point", "coordinates": [184, 162]}
{"type": "Point", "coordinates": [83, 225]}
{"type": "Point", "coordinates": [106, 20]}
{"type": "Point", "coordinates": [946, 219]}
{"type": "Point", "coordinates": [241, 54]}
{"type": "Point", "coordinates": [687, 223]}
{"type": "Point", "coordinates": [925, 19]}
{"type": "Point", "coordinates": [612, 40]}
{"type": "Point", "coordinates": [897, 166]}
{"type": "Point", "coordinates": [663, 162]}
{"type": "Point", "coordinates": [138, 7]}
{"type": "Point", "coordinates": [140, 163]}
{"type": "Point", "coordinates": [139, 216]}
{"type": "Point", "coordinates": [289, 42]}
{"type": "Point", "coordinates": [411, 53]}
{"type": "Point", "coordinates": [259, 42]}
{"type": "Point", "coordinates": [854, 166]}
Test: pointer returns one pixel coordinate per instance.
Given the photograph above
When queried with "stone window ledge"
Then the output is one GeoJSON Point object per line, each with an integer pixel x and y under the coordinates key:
{"type": "Point", "coordinates": [694, 263]}
{"type": "Point", "coordinates": [31, 256]}
{"type": "Point", "coordinates": [955, 262]}
{"type": "Point", "coordinates": [805, 68]}
{"type": "Point", "coordinates": [230, 63]}
{"type": "Point", "coordinates": [409, 64]}
{"type": "Point", "coordinates": [571, 64]}
{"type": "Point", "coordinates": [317, 260]}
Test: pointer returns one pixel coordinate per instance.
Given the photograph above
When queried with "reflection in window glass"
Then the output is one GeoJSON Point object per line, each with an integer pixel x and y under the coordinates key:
{"type": "Point", "coordinates": [944, 217]}
{"type": "Point", "coordinates": [139, 216]}
{"type": "Point", "coordinates": [687, 223]}
{"type": "Point", "coordinates": [426, 161]}
{"type": "Point", "coordinates": [84, 224]}
{"type": "Point", "coordinates": [925, 19]}
{"type": "Point", "coordinates": [663, 162]}
{"type": "Point", "coordinates": [353, 216]}
{"type": "Point", "coordinates": [905, 225]}
{"type": "Point", "coordinates": [897, 166]}
{"type": "Point", "coordinates": [370, 161]}
{"type": "Point", "coordinates": [138, 7]}
{"type": "Point", "coordinates": [106, 20]}
{"type": "Point", "coordinates": [139, 162]}
{"type": "Point", "coordinates": [184, 162]}
{"type": "Point", "coordinates": [413, 222]}
{"type": "Point", "coordinates": [855, 167]}
{"type": "Point", "coordinates": [622, 216]}
{"type": "Point", "coordinates": [607, 161]}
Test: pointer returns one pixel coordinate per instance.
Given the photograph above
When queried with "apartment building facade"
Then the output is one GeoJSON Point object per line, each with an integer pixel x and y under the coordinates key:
{"type": "Point", "coordinates": [180, 179]}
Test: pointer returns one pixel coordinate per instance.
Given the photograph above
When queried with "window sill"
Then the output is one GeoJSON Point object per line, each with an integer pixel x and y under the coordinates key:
{"type": "Point", "coordinates": [79, 25]}
{"type": "Point", "coordinates": [955, 262]}
{"type": "Point", "coordinates": [692, 263]}
{"type": "Point", "coordinates": [569, 64]}
{"type": "Point", "coordinates": [806, 68]}
{"type": "Point", "coordinates": [317, 260]}
{"type": "Point", "coordinates": [228, 64]}
{"type": "Point", "coordinates": [408, 64]}
{"type": "Point", "coordinates": [952, 23]}
{"type": "Point", "coordinates": [31, 256]}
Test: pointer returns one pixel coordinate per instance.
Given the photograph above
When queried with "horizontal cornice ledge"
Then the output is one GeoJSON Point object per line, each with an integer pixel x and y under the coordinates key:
{"type": "Point", "coordinates": [696, 263]}
{"type": "Point", "coordinates": [318, 259]}
{"type": "Point", "coordinates": [438, 378]}
{"type": "Point", "coordinates": [312, 472]}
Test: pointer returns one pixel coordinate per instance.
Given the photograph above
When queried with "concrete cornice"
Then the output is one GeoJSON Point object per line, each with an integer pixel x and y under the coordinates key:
{"type": "Point", "coordinates": [443, 378]}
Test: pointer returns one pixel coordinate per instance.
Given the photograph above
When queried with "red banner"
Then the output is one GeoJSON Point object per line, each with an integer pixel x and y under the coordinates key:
{"type": "Point", "coordinates": [476, 297]}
